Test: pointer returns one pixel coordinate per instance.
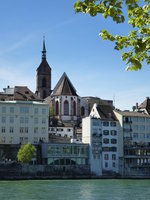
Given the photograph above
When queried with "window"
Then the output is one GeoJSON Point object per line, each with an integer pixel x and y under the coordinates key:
{"type": "Point", "coordinates": [43, 121]}
{"type": "Point", "coordinates": [3, 139]}
{"type": "Point", "coordinates": [35, 110]}
{"type": "Point", "coordinates": [3, 129]}
{"type": "Point", "coordinates": [43, 130]}
{"type": "Point", "coordinates": [106, 164]}
{"type": "Point", "coordinates": [135, 127]}
{"type": "Point", "coordinates": [148, 135]}
{"type": "Point", "coordinates": [135, 119]}
{"type": "Point", "coordinates": [35, 139]}
{"type": "Point", "coordinates": [113, 124]}
{"type": "Point", "coordinates": [36, 120]}
{"type": "Point", "coordinates": [82, 111]}
{"type": "Point", "coordinates": [141, 119]}
{"type": "Point", "coordinates": [11, 120]}
{"type": "Point", "coordinates": [142, 128]}
{"type": "Point", "coordinates": [113, 156]}
{"type": "Point", "coordinates": [148, 119]}
{"type": "Point", "coordinates": [114, 164]}
{"type": "Point", "coordinates": [43, 111]}
{"type": "Point", "coordinates": [66, 108]}
{"type": "Point", "coordinates": [26, 129]}
{"type": "Point", "coordinates": [74, 108]}
{"type": "Point", "coordinates": [105, 123]}
{"type": "Point", "coordinates": [113, 141]}
{"type": "Point", "coordinates": [3, 120]}
{"type": "Point", "coordinates": [106, 132]}
{"type": "Point", "coordinates": [44, 82]}
{"type": "Point", "coordinates": [21, 139]}
{"type": "Point", "coordinates": [106, 149]}
{"type": "Point", "coordinates": [11, 130]}
{"type": "Point", "coordinates": [142, 135]}
{"type": "Point", "coordinates": [135, 135]}
{"type": "Point", "coordinates": [113, 132]}
{"type": "Point", "coordinates": [68, 129]}
{"type": "Point", "coordinates": [24, 110]}
{"type": "Point", "coordinates": [113, 149]}
{"type": "Point", "coordinates": [25, 139]}
{"type": "Point", "coordinates": [26, 120]}
{"type": "Point", "coordinates": [3, 109]}
{"type": "Point", "coordinates": [21, 120]}
{"type": "Point", "coordinates": [106, 156]}
{"type": "Point", "coordinates": [21, 129]}
{"type": "Point", "coordinates": [105, 140]}
{"type": "Point", "coordinates": [35, 129]}
{"type": "Point", "coordinates": [57, 108]}
{"type": "Point", "coordinates": [11, 109]}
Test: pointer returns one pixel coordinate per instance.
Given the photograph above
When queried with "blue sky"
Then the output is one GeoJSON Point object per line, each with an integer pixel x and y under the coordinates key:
{"type": "Point", "coordinates": [73, 46]}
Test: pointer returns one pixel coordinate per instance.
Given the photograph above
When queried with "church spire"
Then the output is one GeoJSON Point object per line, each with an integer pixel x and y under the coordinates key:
{"type": "Point", "coordinates": [44, 49]}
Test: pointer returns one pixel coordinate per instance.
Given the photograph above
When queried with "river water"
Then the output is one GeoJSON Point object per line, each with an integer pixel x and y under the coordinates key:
{"type": "Point", "coordinates": [111, 189]}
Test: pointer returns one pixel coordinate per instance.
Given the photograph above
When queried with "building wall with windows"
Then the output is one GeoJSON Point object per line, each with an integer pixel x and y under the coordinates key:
{"type": "Point", "coordinates": [23, 121]}
{"type": "Point", "coordinates": [110, 145]}
{"type": "Point", "coordinates": [65, 154]}
{"type": "Point", "coordinates": [110, 142]}
{"type": "Point", "coordinates": [92, 135]}
{"type": "Point", "coordinates": [61, 131]}
{"type": "Point", "coordinates": [136, 142]}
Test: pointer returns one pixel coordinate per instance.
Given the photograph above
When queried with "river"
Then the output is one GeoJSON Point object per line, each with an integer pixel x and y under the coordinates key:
{"type": "Point", "coordinates": [111, 189]}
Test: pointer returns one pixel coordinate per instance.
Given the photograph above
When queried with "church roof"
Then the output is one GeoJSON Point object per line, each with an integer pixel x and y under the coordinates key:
{"type": "Point", "coordinates": [146, 105]}
{"type": "Point", "coordinates": [44, 67]}
{"type": "Point", "coordinates": [64, 87]}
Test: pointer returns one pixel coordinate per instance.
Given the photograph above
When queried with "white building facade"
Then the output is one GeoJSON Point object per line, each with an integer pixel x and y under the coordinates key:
{"type": "Point", "coordinates": [92, 135]}
{"type": "Point", "coordinates": [110, 143]}
{"type": "Point", "coordinates": [23, 121]}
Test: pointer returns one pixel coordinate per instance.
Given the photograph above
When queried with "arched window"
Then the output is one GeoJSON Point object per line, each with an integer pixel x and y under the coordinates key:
{"type": "Point", "coordinates": [66, 107]}
{"type": "Point", "coordinates": [57, 108]}
{"type": "Point", "coordinates": [74, 108]}
{"type": "Point", "coordinates": [44, 94]}
{"type": "Point", "coordinates": [82, 111]}
{"type": "Point", "coordinates": [44, 82]}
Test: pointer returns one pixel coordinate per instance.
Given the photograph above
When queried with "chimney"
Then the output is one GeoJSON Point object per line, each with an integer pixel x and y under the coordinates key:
{"type": "Point", "coordinates": [137, 106]}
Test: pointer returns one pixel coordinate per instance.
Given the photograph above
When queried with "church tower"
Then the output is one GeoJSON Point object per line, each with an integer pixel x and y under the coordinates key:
{"type": "Point", "coordinates": [43, 76]}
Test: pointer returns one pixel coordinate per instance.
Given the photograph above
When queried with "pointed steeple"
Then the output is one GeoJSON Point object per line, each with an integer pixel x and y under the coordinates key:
{"type": "Point", "coordinates": [44, 49]}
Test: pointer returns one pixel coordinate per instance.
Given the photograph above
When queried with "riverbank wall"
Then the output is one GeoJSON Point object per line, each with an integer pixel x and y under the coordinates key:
{"type": "Point", "coordinates": [16, 171]}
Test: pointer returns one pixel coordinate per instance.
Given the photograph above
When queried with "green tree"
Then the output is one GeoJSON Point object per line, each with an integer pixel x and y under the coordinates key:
{"type": "Point", "coordinates": [137, 40]}
{"type": "Point", "coordinates": [26, 153]}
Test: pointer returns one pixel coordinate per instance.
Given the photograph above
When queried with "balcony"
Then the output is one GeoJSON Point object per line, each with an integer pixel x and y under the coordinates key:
{"type": "Point", "coordinates": [127, 122]}
{"type": "Point", "coordinates": [127, 130]}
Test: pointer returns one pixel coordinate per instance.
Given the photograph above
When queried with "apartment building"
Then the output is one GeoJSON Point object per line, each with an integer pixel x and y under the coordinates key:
{"type": "Point", "coordinates": [135, 133]}
{"type": "Point", "coordinates": [23, 121]}
{"type": "Point", "coordinates": [110, 142]}
{"type": "Point", "coordinates": [92, 135]}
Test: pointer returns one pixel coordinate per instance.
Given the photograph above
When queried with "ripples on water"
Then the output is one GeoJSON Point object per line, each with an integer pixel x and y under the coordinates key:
{"type": "Point", "coordinates": [76, 190]}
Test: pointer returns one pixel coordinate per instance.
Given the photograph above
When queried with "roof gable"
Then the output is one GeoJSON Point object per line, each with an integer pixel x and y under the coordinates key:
{"type": "Point", "coordinates": [106, 112]}
{"type": "Point", "coordinates": [64, 87]}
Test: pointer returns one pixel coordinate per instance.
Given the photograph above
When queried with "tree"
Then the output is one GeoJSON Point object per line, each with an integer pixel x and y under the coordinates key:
{"type": "Point", "coordinates": [137, 41]}
{"type": "Point", "coordinates": [25, 153]}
